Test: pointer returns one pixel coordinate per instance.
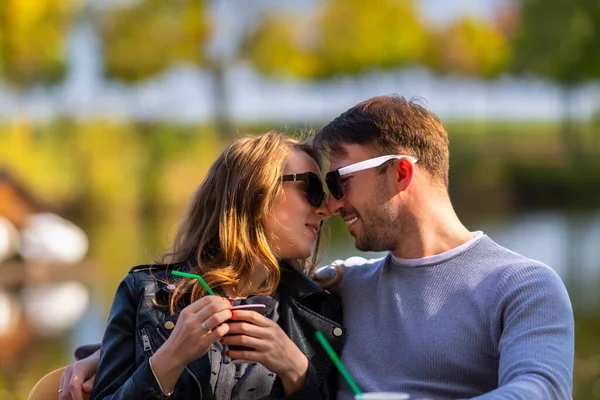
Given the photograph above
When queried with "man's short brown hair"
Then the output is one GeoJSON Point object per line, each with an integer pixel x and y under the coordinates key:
{"type": "Point", "coordinates": [392, 125]}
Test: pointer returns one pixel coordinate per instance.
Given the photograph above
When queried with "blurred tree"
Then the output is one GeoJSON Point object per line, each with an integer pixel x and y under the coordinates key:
{"type": "Point", "coordinates": [147, 37]}
{"type": "Point", "coordinates": [470, 47]}
{"type": "Point", "coordinates": [344, 37]}
{"type": "Point", "coordinates": [33, 36]}
{"type": "Point", "coordinates": [560, 40]}
{"type": "Point", "coordinates": [281, 46]}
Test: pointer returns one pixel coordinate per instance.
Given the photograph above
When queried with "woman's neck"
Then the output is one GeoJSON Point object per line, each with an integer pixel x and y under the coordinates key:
{"type": "Point", "coordinates": [248, 286]}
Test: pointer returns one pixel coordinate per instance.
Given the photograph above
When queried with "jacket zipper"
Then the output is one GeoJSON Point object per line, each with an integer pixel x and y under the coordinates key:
{"type": "Point", "coordinates": [146, 342]}
{"type": "Point", "coordinates": [186, 367]}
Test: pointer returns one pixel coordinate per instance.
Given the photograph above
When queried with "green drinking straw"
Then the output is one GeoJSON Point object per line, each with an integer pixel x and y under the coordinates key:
{"type": "Point", "coordinates": [338, 363]}
{"type": "Point", "coordinates": [208, 289]}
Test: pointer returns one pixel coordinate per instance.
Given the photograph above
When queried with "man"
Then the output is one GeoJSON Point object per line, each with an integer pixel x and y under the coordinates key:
{"type": "Point", "coordinates": [447, 313]}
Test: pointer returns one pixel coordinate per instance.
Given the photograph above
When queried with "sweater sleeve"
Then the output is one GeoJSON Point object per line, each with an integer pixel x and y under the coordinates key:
{"type": "Point", "coordinates": [535, 334]}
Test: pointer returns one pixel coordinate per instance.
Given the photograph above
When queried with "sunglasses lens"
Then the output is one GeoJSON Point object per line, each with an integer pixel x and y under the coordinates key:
{"type": "Point", "coordinates": [333, 184]}
{"type": "Point", "coordinates": [314, 190]}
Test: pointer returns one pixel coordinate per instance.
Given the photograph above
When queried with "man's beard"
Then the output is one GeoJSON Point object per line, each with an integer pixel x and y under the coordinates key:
{"type": "Point", "coordinates": [383, 223]}
{"type": "Point", "coordinates": [378, 234]}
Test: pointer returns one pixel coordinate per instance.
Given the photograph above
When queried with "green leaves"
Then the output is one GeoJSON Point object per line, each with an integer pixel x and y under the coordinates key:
{"type": "Point", "coordinates": [33, 39]}
{"type": "Point", "coordinates": [559, 39]}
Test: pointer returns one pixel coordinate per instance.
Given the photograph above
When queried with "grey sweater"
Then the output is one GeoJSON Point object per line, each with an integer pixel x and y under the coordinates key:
{"type": "Point", "coordinates": [478, 322]}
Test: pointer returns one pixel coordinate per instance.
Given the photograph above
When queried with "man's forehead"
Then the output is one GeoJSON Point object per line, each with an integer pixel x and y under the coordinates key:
{"type": "Point", "coordinates": [347, 154]}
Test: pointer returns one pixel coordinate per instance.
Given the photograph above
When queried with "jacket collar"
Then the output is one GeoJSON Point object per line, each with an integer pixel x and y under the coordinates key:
{"type": "Point", "coordinates": [292, 281]}
{"type": "Point", "coordinates": [296, 284]}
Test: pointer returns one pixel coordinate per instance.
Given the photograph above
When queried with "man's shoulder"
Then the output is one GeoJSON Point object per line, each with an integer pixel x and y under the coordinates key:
{"type": "Point", "coordinates": [515, 272]}
{"type": "Point", "coordinates": [510, 262]}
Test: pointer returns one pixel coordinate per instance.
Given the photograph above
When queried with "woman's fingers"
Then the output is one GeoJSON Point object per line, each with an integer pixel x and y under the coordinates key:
{"type": "Point", "coordinates": [203, 320]}
{"type": "Point", "coordinates": [247, 355]}
{"type": "Point", "coordinates": [248, 329]}
{"type": "Point", "coordinates": [252, 317]}
{"type": "Point", "coordinates": [214, 312]}
{"type": "Point", "coordinates": [190, 341]}
{"type": "Point", "coordinates": [243, 340]}
{"type": "Point", "coordinates": [217, 303]}
{"type": "Point", "coordinates": [218, 333]}
{"type": "Point", "coordinates": [212, 321]}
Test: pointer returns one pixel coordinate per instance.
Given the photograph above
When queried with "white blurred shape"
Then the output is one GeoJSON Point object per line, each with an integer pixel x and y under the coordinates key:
{"type": "Point", "coordinates": [50, 238]}
{"type": "Point", "coordinates": [10, 311]}
{"type": "Point", "coordinates": [52, 308]}
{"type": "Point", "coordinates": [9, 239]}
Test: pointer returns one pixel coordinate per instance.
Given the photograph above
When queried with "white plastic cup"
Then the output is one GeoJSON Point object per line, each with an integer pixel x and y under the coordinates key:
{"type": "Point", "coordinates": [382, 396]}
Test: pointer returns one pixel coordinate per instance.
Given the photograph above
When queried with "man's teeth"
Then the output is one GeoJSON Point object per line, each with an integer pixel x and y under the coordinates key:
{"type": "Point", "coordinates": [351, 221]}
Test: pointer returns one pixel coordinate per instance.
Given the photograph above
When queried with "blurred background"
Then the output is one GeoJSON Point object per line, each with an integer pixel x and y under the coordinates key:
{"type": "Point", "coordinates": [111, 112]}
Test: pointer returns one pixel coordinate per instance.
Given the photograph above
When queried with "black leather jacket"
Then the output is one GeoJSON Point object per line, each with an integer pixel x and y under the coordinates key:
{"type": "Point", "coordinates": [136, 328]}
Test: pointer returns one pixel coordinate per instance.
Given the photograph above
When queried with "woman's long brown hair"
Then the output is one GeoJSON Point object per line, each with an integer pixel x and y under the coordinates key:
{"type": "Point", "coordinates": [223, 235]}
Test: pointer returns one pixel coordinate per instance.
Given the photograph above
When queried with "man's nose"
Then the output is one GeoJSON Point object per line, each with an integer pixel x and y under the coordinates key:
{"type": "Point", "coordinates": [323, 210]}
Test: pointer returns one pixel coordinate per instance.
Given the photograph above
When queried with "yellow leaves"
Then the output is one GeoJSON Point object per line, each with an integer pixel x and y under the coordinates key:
{"type": "Point", "coordinates": [355, 36]}
{"type": "Point", "coordinates": [471, 48]}
{"type": "Point", "coordinates": [29, 13]}
{"type": "Point", "coordinates": [35, 159]}
{"type": "Point", "coordinates": [149, 36]}
{"type": "Point", "coordinates": [358, 35]}
{"type": "Point", "coordinates": [111, 156]}
{"type": "Point", "coordinates": [344, 37]}
{"type": "Point", "coordinates": [33, 35]}
{"type": "Point", "coordinates": [278, 48]}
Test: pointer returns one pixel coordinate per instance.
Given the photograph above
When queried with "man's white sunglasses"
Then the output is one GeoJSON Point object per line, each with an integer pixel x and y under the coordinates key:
{"type": "Point", "coordinates": [333, 178]}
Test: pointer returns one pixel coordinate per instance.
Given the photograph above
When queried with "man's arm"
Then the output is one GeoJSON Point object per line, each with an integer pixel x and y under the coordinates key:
{"type": "Point", "coordinates": [534, 321]}
{"type": "Point", "coordinates": [86, 350]}
{"type": "Point", "coordinates": [78, 379]}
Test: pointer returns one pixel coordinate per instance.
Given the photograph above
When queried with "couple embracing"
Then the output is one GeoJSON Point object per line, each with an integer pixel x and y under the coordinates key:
{"type": "Point", "coordinates": [446, 314]}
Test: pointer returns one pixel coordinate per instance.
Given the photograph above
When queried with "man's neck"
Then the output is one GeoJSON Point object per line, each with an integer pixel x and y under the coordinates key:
{"type": "Point", "coordinates": [432, 228]}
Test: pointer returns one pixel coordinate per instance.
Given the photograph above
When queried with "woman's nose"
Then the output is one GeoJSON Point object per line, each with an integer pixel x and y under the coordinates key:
{"type": "Point", "coordinates": [322, 210]}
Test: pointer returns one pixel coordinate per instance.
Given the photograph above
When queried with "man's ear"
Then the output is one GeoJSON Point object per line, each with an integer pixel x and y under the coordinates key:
{"type": "Point", "coordinates": [404, 174]}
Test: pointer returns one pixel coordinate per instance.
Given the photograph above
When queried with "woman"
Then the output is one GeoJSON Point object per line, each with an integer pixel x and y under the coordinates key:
{"type": "Point", "coordinates": [249, 230]}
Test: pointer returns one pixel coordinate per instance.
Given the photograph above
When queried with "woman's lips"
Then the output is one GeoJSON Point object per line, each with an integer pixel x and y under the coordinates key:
{"type": "Point", "coordinates": [314, 228]}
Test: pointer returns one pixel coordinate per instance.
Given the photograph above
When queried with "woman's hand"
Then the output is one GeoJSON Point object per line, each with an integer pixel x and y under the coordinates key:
{"type": "Point", "coordinates": [199, 325]}
{"type": "Point", "coordinates": [78, 379]}
{"type": "Point", "coordinates": [272, 348]}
